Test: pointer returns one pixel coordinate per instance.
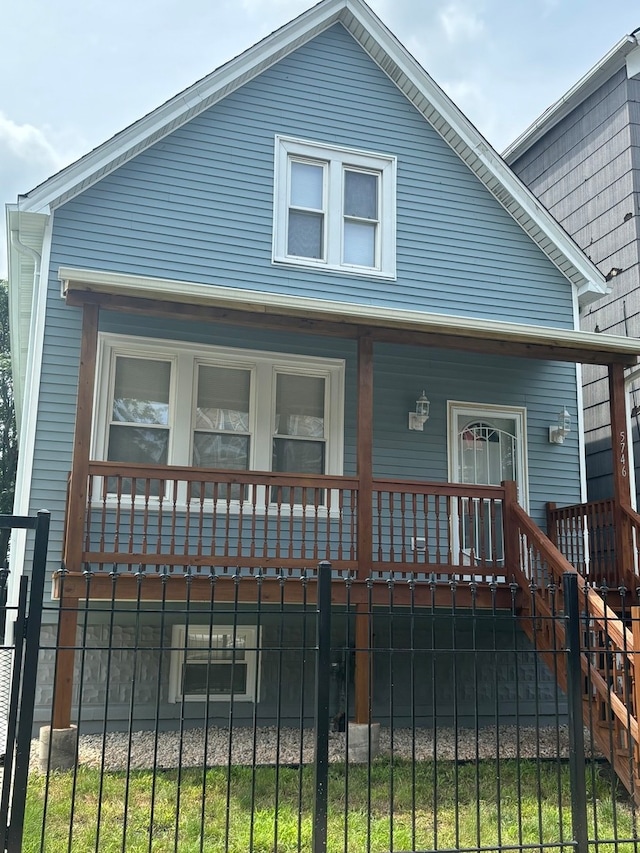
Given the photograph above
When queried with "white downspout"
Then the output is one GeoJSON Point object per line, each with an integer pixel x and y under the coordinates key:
{"type": "Point", "coordinates": [19, 536]}
{"type": "Point", "coordinates": [20, 247]}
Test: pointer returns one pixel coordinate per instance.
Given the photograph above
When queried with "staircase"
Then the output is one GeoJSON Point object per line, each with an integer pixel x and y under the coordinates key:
{"type": "Point", "coordinates": [610, 650]}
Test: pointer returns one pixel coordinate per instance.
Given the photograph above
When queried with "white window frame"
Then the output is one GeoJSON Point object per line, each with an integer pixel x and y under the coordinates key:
{"type": "Point", "coordinates": [252, 639]}
{"type": "Point", "coordinates": [264, 367]}
{"type": "Point", "coordinates": [335, 161]}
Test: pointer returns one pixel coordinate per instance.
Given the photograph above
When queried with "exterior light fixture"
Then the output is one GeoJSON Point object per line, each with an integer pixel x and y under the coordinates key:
{"type": "Point", "coordinates": [561, 428]}
{"type": "Point", "coordinates": [418, 418]}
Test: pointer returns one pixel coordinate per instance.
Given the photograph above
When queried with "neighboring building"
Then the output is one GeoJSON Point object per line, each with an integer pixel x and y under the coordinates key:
{"type": "Point", "coordinates": [581, 158]}
{"type": "Point", "coordinates": [223, 316]}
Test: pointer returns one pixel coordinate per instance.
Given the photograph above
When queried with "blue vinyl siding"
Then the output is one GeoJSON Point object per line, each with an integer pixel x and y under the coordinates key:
{"type": "Point", "coordinates": [198, 206]}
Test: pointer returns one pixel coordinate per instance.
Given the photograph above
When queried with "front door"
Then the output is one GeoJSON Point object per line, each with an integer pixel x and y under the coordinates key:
{"type": "Point", "coordinates": [486, 446]}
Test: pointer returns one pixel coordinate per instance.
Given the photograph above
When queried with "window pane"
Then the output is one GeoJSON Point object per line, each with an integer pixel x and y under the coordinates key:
{"type": "Point", "coordinates": [221, 451]}
{"type": "Point", "coordinates": [223, 399]}
{"type": "Point", "coordinates": [218, 678]}
{"type": "Point", "coordinates": [141, 392]}
{"type": "Point", "coordinates": [361, 195]}
{"type": "Point", "coordinates": [306, 185]}
{"type": "Point", "coordinates": [360, 243]}
{"type": "Point", "coordinates": [299, 457]}
{"type": "Point", "coordinates": [300, 405]}
{"type": "Point", "coordinates": [305, 234]}
{"type": "Point", "coordinates": [138, 445]}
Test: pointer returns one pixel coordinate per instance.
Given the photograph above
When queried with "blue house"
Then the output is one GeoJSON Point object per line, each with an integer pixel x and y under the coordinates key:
{"type": "Point", "coordinates": [300, 312]}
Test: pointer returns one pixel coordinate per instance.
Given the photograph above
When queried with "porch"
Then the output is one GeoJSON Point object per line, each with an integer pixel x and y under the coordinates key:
{"type": "Point", "coordinates": [175, 533]}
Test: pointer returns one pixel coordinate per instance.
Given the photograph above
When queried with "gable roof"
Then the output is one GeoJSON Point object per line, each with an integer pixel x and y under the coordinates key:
{"type": "Point", "coordinates": [387, 52]}
{"type": "Point", "coordinates": [625, 54]}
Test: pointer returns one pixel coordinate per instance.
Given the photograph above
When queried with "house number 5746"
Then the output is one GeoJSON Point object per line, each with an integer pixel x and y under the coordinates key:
{"type": "Point", "coordinates": [623, 453]}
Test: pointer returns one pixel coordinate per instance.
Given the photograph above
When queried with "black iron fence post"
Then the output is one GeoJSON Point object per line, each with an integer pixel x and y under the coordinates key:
{"type": "Point", "coordinates": [30, 672]}
{"type": "Point", "coordinates": [577, 775]}
{"type": "Point", "coordinates": [323, 681]}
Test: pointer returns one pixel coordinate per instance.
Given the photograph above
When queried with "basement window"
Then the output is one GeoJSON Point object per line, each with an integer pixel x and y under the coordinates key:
{"type": "Point", "coordinates": [218, 663]}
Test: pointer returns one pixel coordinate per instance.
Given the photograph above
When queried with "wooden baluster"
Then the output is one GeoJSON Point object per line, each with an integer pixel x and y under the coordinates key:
{"type": "Point", "coordinates": [254, 518]}
{"type": "Point", "coordinates": [215, 497]}
{"type": "Point", "coordinates": [161, 494]}
{"type": "Point", "coordinates": [354, 526]}
{"type": "Point", "coordinates": [227, 520]}
{"type": "Point", "coordinates": [494, 506]}
{"type": "Point", "coordinates": [403, 527]}
{"type": "Point", "coordinates": [268, 500]}
{"type": "Point", "coordinates": [116, 536]}
{"type": "Point", "coordinates": [187, 517]}
{"type": "Point", "coordinates": [379, 502]}
{"type": "Point", "coordinates": [145, 515]}
{"type": "Point", "coordinates": [103, 514]}
{"type": "Point", "coordinates": [240, 518]}
{"type": "Point", "coordinates": [447, 504]}
{"type": "Point", "coordinates": [132, 514]}
{"type": "Point", "coordinates": [174, 516]}
{"type": "Point", "coordinates": [317, 502]}
{"type": "Point", "coordinates": [292, 503]}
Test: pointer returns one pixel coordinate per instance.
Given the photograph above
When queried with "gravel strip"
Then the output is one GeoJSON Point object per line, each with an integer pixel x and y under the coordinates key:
{"type": "Point", "coordinates": [550, 742]}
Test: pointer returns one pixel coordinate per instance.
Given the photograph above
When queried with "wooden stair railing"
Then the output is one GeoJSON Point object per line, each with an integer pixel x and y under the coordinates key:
{"type": "Point", "coordinates": [611, 697]}
{"type": "Point", "coordinates": [601, 539]}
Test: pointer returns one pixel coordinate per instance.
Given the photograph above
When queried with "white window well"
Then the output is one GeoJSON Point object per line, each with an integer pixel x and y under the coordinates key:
{"type": "Point", "coordinates": [334, 208]}
{"type": "Point", "coordinates": [218, 663]}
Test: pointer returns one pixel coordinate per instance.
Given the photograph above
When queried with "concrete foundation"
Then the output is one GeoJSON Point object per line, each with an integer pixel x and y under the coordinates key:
{"type": "Point", "coordinates": [57, 748]}
{"type": "Point", "coordinates": [364, 742]}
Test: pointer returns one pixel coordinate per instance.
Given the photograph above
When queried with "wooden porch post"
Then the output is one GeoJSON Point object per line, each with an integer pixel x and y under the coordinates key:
{"type": "Point", "coordinates": [362, 674]}
{"type": "Point", "coordinates": [77, 504]}
{"type": "Point", "coordinates": [76, 513]}
{"type": "Point", "coordinates": [621, 480]}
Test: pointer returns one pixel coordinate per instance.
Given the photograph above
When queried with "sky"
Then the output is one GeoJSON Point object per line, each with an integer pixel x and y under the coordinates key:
{"type": "Point", "coordinates": [75, 72]}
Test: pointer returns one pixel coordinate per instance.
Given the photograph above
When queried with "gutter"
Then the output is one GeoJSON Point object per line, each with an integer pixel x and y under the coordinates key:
{"type": "Point", "coordinates": [580, 91]}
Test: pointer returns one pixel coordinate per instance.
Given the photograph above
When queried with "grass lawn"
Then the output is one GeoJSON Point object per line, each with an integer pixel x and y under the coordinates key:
{"type": "Point", "coordinates": [399, 807]}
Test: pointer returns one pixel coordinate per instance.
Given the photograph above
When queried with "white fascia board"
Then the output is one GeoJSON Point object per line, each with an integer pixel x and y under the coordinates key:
{"type": "Point", "coordinates": [195, 293]}
{"type": "Point", "coordinates": [605, 68]}
{"type": "Point", "coordinates": [406, 73]}
{"type": "Point", "coordinates": [181, 108]}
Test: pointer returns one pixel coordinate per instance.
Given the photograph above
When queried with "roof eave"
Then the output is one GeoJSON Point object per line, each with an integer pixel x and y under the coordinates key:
{"type": "Point", "coordinates": [590, 82]}
{"type": "Point", "coordinates": [402, 69]}
{"type": "Point", "coordinates": [609, 347]}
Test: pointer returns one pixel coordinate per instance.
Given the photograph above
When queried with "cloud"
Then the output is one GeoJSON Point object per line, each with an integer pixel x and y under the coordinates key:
{"type": "Point", "coordinates": [28, 155]}
{"type": "Point", "coordinates": [460, 24]}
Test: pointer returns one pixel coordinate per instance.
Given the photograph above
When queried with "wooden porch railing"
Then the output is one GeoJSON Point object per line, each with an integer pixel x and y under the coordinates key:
{"type": "Point", "coordinates": [174, 516]}
{"type": "Point", "coordinates": [600, 539]}
{"type": "Point", "coordinates": [609, 652]}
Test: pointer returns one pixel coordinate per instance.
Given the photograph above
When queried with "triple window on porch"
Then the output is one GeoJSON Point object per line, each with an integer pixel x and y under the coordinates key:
{"type": "Point", "coordinates": [218, 408]}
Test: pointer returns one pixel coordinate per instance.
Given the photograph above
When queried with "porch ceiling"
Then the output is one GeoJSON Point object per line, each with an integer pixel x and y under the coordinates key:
{"type": "Point", "coordinates": [218, 303]}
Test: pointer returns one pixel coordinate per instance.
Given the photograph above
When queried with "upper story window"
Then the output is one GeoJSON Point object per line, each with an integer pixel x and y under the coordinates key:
{"type": "Point", "coordinates": [334, 208]}
{"type": "Point", "coordinates": [164, 403]}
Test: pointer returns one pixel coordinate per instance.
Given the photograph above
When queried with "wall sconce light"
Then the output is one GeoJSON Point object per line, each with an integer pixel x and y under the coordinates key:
{"type": "Point", "coordinates": [561, 428]}
{"type": "Point", "coordinates": [418, 418]}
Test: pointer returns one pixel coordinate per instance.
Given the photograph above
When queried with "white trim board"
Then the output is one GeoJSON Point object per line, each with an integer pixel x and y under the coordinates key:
{"type": "Point", "coordinates": [195, 293]}
{"type": "Point", "coordinates": [406, 73]}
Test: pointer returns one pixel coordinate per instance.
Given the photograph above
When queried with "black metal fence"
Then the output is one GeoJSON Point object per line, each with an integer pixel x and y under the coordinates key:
{"type": "Point", "coordinates": [20, 615]}
{"type": "Point", "coordinates": [215, 714]}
